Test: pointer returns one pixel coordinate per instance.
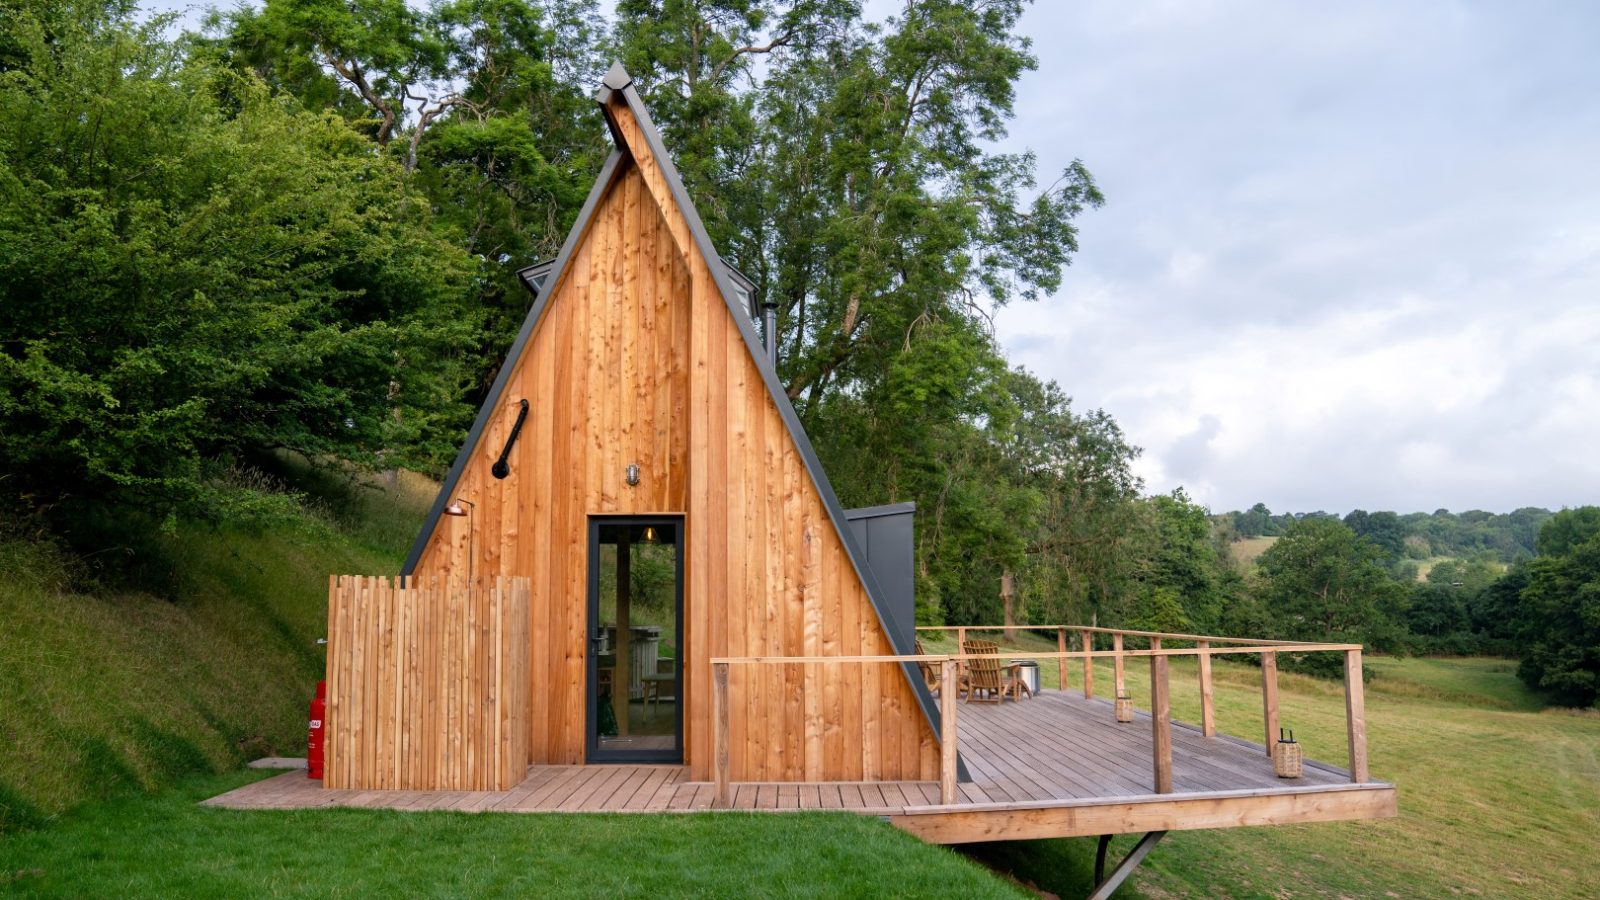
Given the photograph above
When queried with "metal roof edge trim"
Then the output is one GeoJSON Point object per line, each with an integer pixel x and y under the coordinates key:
{"type": "Point", "coordinates": [885, 509]}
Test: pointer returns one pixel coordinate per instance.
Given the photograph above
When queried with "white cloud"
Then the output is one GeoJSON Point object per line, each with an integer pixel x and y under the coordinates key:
{"type": "Point", "coordinates": [1349, 256]}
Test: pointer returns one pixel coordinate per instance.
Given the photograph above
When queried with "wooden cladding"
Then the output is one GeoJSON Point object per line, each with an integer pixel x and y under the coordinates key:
{"type": "Point", "coordinates": [637, 359]}
{"type": "Point", "coordinates": [427, 684]}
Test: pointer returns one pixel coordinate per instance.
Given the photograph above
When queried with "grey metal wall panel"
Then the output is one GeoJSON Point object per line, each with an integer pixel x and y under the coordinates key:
{"type": "Point", "coordinates": [885, 534]}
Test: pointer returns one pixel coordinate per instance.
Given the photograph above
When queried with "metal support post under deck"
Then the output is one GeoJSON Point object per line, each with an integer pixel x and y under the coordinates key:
{"type": "Point", "coordinates": [1106, 886]}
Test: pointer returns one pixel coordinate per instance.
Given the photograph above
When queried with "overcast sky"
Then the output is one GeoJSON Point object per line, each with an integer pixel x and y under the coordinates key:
{"type": "Point", "coordinates": [1351, 252]}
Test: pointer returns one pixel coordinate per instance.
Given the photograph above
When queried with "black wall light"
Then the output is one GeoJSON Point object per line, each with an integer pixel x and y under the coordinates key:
{"type": "Point", "coordinates": [502, 466]}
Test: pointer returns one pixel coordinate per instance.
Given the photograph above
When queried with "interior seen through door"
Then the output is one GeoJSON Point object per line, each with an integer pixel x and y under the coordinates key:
{"type": "Point", "coordinates": [636, 660]}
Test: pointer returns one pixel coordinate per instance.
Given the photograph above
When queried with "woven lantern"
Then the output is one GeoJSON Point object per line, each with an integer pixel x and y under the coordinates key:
{"type": "Point", "coordinates": [1286, 756]}
{"type": "Point", "coordinates": [1124, 708]}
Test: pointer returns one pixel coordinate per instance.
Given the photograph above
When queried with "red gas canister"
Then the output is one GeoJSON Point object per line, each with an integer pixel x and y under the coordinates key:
{"type": "Point", "coordinates": [319, 708]}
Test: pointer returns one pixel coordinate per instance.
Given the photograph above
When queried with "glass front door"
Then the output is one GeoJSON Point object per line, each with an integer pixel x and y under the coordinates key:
{"type": "Point", "coordinates": [635, 713]}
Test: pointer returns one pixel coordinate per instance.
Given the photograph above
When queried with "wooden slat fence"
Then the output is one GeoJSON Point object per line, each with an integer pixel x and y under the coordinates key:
{"type": "Point", "coordinates": [427, 684]}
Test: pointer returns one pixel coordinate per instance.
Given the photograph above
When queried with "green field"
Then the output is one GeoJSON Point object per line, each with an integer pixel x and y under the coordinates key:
{"type": "Point", "coordinates": [1497, 798]}
{"type": "Point", "coordinates": [169, 847]}
{"type": "Point", "coordinates": [1494, 802]}
{"type": "Point", "coordinates": [1245, 550]}
{"type": "Point", "coordinates": [119, 711]}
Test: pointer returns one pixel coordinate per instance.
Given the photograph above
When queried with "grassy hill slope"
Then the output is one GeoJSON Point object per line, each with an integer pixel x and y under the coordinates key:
{"type": "Point", "coordinates": [105, 692]}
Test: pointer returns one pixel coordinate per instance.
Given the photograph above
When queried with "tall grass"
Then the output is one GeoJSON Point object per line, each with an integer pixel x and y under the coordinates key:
{"type": "Point", "coordinates": [103, 691]}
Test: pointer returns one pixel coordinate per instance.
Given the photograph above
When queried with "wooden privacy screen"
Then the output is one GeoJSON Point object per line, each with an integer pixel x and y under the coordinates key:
{"type": "Point", "coordinates": [427, 684]}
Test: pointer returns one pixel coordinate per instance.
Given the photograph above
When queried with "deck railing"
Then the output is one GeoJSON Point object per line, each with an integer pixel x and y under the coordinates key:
{"type": "Point", "coordinates": [1205, 647]}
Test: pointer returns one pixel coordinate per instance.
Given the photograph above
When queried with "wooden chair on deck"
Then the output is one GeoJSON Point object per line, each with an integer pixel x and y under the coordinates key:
{"type": "Point", "coordinates": [987, 675]}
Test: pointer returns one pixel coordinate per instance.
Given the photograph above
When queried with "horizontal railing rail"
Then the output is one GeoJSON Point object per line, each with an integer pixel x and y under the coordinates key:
{"type": "Point", "coordinates": [1095, 629]}
{"type": "Point", "coordinates": [1160, 705]}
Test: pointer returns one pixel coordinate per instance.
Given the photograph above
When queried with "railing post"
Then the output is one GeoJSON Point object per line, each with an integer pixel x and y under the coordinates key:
{"type": "Point", "coordinates": [1161, 719]}
{"type": "Point", "coordinates": [961, 647]}
{"type": "Point", "coordinates": [947, 731]}
{"type": "Point", "coordinates": [1121, 680]}
{"type": "Point", "coordinates": [1061, 661]}
{"type": "Point", "coordinates": [1355, 710]}
{"type": "Point", "coordinates": [1088, 666]}
{"type": "Point", "coordinates": [719, 734]}
{"type": "Point", "coordinates": [1208, 711]}
{"type": "Point", "coordinates": [1269, 696]}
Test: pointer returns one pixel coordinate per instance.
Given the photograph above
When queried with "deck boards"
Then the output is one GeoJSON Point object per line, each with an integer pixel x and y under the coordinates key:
{"type": "Point", "coordinates": [1054, 750]}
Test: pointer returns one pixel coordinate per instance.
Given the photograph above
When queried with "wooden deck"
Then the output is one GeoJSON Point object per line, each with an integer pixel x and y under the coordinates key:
{"type": "Point", "coordinates": [1055, 765]}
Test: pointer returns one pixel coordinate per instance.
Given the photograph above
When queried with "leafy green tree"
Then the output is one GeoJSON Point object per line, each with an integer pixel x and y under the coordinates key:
{"type": "Point", "coordinates": [191, 270]}
{"type": "Point", "coordinates": [1320, 581]}
{"type": "Point", "coordinates": [1177, 553]}
{"type": "Point", "coordinates": [1496, 611]}
{"type": "Point", "coordinates": [1568, 529]}
{"type": "Point", "coordinates": [487, 103]}
{"type": "Point", "coordinates": [1559, 610]}
{"type": "Point", "coordinates": [848, 169]}
{"type": "Point", "coordinates": [1383, 529]}
{"type": "Point", "coordinates": [1257, 521]}
{"type": "Point", "coordinates": [1160, 609]}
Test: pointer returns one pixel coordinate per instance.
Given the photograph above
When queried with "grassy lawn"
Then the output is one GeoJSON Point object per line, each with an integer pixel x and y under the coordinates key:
{"type": "Point", "coordinates": [167, 846]}
{"type": "Point", "coordinates": [1497, 798]}
{"type": "Point", "coordinates": [108, 697]}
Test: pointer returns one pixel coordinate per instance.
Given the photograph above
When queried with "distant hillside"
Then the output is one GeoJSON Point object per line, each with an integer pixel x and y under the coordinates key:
{"type": "Point", "coordinates": [102, 692]}
{"type": "Point", "coordinates": [1504, 537]}
{"type": "Point", "coordinates": [1245, 550]}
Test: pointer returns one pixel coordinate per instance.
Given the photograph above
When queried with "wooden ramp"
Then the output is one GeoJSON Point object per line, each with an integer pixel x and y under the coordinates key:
{"type": "Point", "coordinates": [1056, 765]}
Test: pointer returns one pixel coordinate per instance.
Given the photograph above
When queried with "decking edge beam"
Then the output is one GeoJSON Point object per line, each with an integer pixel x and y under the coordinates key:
{"type": "Point", "coordinates": [1174, 813]}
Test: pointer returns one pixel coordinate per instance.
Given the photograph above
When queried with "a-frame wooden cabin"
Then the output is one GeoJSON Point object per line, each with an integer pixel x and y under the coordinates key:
{"type": "Point", "coordinates": [637, 405]}
{"type": "Point", "coordinates": [636, 558]}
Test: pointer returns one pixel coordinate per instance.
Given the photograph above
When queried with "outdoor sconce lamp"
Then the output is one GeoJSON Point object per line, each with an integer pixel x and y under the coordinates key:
{"type": "Point", "coordinates": [632, 474]}
{"type": "Point", "coordinates": [456, 509]}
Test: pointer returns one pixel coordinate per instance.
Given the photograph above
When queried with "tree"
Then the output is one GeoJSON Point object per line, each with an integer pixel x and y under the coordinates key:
{"type": "Point", "coordinates": [1322, 582]}
{"type": "Point", "coordinates": [1568, 529]}
{"type": "Point", "coordinates": [486, 104]}
{"type": "Point", "coordinates": [1255, 522]}
{"type": "Point", "coordinates": [1560, 610]}
{"type": "Point", "coordinates": [849, 170]}
{"type": "Point", "coordinates": [1383, 529]}
{"type": "Point", "coordinates": [1177, 554]}
{"type": "Point", "coordinates": [192, 270]}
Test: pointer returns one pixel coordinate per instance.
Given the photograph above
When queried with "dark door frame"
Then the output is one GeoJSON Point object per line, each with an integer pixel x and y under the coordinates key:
{"type": "Point", "coordinates": [593, 752]}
